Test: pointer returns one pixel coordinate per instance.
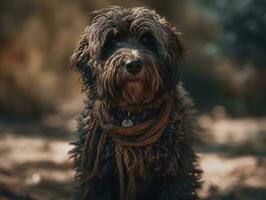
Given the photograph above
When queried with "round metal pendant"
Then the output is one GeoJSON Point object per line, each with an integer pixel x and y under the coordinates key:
{"type": "Point", "coordinates": [127, 123]}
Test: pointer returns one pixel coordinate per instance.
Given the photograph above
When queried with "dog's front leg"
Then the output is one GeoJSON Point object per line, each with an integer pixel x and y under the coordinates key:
{"type": "Point", "coordinates": [176, 190]}
{"type": "Point", "coordinates": [101, 192]}
{"type": "Point", "coordinates": [103, 187]}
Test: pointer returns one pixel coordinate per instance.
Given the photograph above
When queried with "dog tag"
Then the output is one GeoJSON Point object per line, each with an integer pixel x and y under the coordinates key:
{"type": "Point", "coordinates": [127, 123]}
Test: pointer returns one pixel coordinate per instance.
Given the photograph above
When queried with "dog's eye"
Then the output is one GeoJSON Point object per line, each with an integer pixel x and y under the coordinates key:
{"type": "Point", "coordinates": [144, 40]}
{"type": "Point", "coordinates": [148, 40]}
{"type": "Point", "coordinates": [113, 38]}
{"type": "Point", "coordinates": [109, 45]}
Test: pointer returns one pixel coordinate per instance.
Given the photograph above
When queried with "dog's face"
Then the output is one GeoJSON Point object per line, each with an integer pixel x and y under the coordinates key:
{"type": "Point", "coordinates": [128, 55]}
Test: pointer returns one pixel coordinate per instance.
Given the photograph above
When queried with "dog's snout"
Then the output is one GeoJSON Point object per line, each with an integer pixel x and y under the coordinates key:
{"type": "Point", "coordinates": [134, 66]}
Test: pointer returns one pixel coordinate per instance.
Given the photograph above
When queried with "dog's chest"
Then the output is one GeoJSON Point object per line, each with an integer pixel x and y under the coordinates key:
{"type": "Point", "coordinates": [148, 161]}
{"type": "Point", "coordinates": [146, 166]}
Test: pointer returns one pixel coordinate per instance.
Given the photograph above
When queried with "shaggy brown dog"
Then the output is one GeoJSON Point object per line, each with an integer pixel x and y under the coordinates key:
{"type": "Point", "coordinates": [136, 130]}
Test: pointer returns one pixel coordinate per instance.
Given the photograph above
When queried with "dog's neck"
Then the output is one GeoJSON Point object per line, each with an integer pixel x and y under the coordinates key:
{"type": "Point", "coordinates": [139, 108]}
{"type": "Point", "coordinates": [126, 118]}
{"type": "Point", "coordinates": [136, 113]}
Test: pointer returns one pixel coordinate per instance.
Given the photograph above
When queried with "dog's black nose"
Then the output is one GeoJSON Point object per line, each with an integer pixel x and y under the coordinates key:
{"type": "Point", "coordinates": [134, 66]}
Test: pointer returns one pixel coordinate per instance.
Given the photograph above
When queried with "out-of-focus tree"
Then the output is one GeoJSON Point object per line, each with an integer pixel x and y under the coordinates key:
{"type": "Point", "coordinates": [239, 52]}
{"type": "Point", "coordinates": [244, 24]}
{"type": "Point", "coordinates": [244, 41]}
{"type": "Point", "coordinates": [37, 38]}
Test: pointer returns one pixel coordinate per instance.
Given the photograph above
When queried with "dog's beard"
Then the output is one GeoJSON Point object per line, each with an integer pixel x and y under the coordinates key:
{"type": "Point", "coordinates": [133, 92]}
{"type": "Point", "coordinates": [140, 88]}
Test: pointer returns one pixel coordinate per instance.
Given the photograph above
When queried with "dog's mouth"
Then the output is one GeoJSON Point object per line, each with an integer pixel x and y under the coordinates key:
{"type": "Point", "coordinates": [133, 79]}
{"type": "Point", "coordinates": [133, 91]}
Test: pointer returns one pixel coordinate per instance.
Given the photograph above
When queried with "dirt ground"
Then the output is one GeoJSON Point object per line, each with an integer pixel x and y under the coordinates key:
{"type": "Point", "coordinates": [34, 163]}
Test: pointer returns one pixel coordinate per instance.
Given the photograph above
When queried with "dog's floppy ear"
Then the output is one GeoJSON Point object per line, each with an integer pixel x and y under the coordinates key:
{"type": "Point", "coordinates": [176, 51]}
{"type": "Point", "coordinates": [80, 60]}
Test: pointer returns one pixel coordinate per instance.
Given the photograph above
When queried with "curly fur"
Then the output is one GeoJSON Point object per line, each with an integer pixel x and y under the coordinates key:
{"type": "Point", "coordinates": [166, 169]}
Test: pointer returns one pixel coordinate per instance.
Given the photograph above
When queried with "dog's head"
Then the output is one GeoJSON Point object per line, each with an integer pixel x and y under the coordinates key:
{"type": "Point", "coordinates": [130, 56]}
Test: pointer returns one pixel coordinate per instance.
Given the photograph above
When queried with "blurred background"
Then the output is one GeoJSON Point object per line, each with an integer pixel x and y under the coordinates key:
{"type": "Point", "coordinates": [224, 71]}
